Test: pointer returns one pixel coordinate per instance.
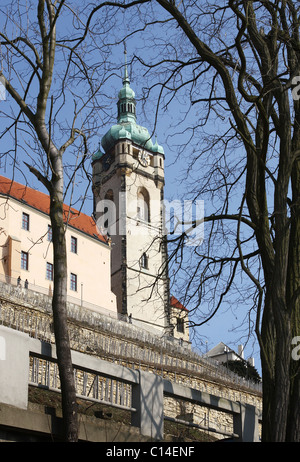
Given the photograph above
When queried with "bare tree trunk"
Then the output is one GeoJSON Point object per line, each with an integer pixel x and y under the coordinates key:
{"type": "Point", "coordinates": [59, 298]}
{"type": "Point", "coordinates": [276, 384]}
{"type": "Point", "coordinates": [68, 394]}
{"type": "Point", "coordinates": [293, 301]}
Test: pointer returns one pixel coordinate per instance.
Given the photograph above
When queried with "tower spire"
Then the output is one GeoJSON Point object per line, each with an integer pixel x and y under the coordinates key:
{"type": "Point", "coordinates": [126, 78]}
{"type": "Point", "coordinates": [126, 101]}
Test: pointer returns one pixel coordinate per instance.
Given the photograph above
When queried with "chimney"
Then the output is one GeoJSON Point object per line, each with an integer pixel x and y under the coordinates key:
{"type": "Point", "coordinates": [251, 361]}
{"type": "Point", "coordinates": [241, 351]}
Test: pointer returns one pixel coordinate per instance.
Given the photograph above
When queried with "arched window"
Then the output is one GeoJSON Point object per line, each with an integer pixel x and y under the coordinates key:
{"type": "Point", "coordinates": [143, 205]}
{"type": "Point", "coordinates": [108, 209]}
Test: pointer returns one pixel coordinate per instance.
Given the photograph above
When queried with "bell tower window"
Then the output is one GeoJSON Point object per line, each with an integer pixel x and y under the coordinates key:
{"type": "Point", "coordinates": [108, 209]}
{"type": "Point", "coordinates": [143, 205]}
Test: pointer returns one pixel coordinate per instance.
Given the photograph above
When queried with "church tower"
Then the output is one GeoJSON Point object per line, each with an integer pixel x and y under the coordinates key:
{"type": "Point", "coordinates": [128, 188]}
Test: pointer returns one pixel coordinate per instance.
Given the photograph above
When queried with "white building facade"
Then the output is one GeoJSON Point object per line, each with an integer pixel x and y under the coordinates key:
{"type": "Point", "coordinates": [27, 253]}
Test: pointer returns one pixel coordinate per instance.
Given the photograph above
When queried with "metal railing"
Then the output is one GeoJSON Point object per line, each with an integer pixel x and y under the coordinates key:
{"type": "Point", "coordinates": [89, 385]}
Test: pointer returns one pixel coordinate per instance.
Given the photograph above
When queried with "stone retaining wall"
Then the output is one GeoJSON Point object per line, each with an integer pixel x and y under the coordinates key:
{"type": "Point", "coordinates": [120, 342]}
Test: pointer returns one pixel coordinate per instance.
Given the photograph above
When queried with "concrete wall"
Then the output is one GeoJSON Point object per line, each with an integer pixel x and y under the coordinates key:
{"type": "Point", "coordinates": [15, 349]}
{"type": "Point", "coordinates": [36, 425]}
{"type": "Point", "coordinates": [148, 389]}
{"type": "Point", "coordinates": [136, 348]}
{"type": "Point", "coordinates": [14, 367]}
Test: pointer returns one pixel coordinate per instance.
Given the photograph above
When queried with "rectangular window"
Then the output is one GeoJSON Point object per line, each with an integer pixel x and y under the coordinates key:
{"type": "Point", "coordinates": [144, 261]}
{"type": "Point", "coordinates": [73, 282]}
{"type": "Point", "coordinates": [25, 221]}
{"type": "Point", "coordinates": [24, 260]}
{"type": "Point", "coordinates": [49, 234]}
{"type": "Point", "coordinates": [49, 271]}
{"type": "Point", "coordinates": [73, 244]}
{"type": "Point", "coordinates": [180, 325]}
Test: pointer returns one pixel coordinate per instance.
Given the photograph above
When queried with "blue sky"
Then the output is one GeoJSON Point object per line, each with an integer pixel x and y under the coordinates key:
{"type": "Point", "coordinates": [221, 327]}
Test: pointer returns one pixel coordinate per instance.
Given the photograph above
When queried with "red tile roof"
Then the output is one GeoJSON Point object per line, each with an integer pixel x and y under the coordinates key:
{"type": "Point", "coordinates": [174, 302]}
{"type": "Point", "coordinates": [41, 202]}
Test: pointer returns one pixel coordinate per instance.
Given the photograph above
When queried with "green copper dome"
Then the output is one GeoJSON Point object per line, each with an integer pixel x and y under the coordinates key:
{"type": "Point", "coordinates": [126, 92]}
{"type": "Point", "coordinates": [127, 128]}
{"type": "Point", "coordinates": [157, 148]}
{"type": "Point", "coordinates": [97, 154]}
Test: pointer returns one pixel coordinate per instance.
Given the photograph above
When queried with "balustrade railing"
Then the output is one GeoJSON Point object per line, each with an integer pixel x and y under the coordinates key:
{"type": "Point", "coordinates": [89, 385]}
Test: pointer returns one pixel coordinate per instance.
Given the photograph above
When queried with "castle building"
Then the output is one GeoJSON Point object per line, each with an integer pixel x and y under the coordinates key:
{"type": "Point", "coordinates": [116, 258]}
{"type": "Point", "coordinates": [27, 255]}
{"type": "Point", "coordinates": [128, 186]}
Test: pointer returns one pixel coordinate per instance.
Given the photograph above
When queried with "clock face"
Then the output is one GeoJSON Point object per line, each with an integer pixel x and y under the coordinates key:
{"type": "Point", "coordinates": [144, 158]}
